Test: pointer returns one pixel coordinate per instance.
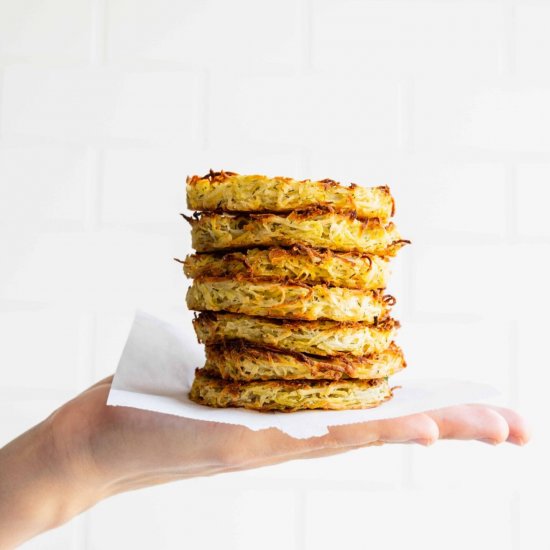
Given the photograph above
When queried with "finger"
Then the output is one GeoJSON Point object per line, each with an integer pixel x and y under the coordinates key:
{"type": "Point", "coordinates": [305, 455]}
{"type": "Point", "coordinates": [471, 422]}
{"type": "Point", "coordinates": [420, 428]}
{"type": "Point", "coordinates": [519, 430]}
{"type": "Point", "coordinates": [318, 453]}
{"type": "Point", "coordinates": [417, 428]}
{"type": "Point", "coordinates": [247, 449]}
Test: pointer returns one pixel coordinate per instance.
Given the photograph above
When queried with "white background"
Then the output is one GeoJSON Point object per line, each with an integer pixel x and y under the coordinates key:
{"type": "Point", "coordinates": [106, 106]}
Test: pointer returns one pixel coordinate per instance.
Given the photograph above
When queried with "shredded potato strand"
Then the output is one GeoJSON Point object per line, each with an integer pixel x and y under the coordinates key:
{"type": "Point", "coordinates": [270, 299]}
{"type": "Point", "coordinates": [244, 362]}
{"type": "Point", "coordinates": [301, 265]}
{"type": "Point", "coordinates": [326, 338]}
{"type": "Point", "coordinates": [289, 276]}
{"type": "Point", "coordinates": [288, 397]}
{"type": "Point", "coordinates": [329, 230]}
{"type": "Point", "coordinates": [255, 193]}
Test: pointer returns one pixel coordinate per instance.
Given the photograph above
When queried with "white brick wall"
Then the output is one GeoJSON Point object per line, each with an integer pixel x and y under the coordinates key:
{"type": "Point", "coordinates": [106, 106]}
{"type": "Point", "coordinates": [533, 41]}
{"type": "Point", "coordinates": [499, 114]}
{"type": "Point", "coordinates": [320, 111]}
{"type": "Point", "coordinates": [54, 30]}
{"type": "Point", "coordinates": [242, 34]}
{"type": "Point", "coordinates": [533, 181]}
{"type": "Point", "coordinates": [400, 37]}
{"type": "Point", "coordinates": [55, 178]}
{"type": "Point", "coordinates": [180, 514]}
{"type": "Point", "coordinates": [383, 520]}
{"type": "Point", "coordinates": [80, 104]}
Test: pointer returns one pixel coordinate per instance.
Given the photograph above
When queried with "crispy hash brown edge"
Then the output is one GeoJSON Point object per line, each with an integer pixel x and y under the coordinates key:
{"type": "Point", "coordinates": [341, 231]}
{"type": "Point", "coordinates": [297, 264]}
{"type": "Point", "coordinates": [289, 395]}
{"type": "Point", "coordinates": [289, 300]}
{"type": "Point", "coordinates": [232, 192]}
{"type": "Point", "coordinates": [236, 360]}
{"type": "Point", "coordinates": [285, 335]}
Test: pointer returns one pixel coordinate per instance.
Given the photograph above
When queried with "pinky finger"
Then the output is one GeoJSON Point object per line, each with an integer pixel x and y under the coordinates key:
{"type": "Point", "coordinates": [471, 422]}
{"type": "Point", "coordinates": [519, 430]}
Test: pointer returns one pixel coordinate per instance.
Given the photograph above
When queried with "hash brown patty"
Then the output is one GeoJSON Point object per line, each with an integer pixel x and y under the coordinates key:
{"type": "Point", "coordinates": [289, 395]}
{"type": "Point", "coordinates": [231, 192]}
{"type": "Point", "coordinates": [318, 228]}
{"type": "Point", "coordinates": [326, 338]}
{"type": "Point", "coordinates": [287, 300]}
{"type": "Point", "coordinates": [299, 263]}
{"type": "Point", "coordinates": [240, 361]}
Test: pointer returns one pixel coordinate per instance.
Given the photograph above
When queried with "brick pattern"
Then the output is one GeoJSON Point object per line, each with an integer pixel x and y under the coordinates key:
{"type": "Point", "coordinates": [106, 105]}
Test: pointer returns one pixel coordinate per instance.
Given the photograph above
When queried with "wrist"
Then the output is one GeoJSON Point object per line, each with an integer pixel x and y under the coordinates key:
{"type": "Point", "coordinates": [37, 490]}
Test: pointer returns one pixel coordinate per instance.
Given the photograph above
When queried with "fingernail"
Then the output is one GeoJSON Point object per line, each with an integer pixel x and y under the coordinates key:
{"type": "Point", "coordinates": [424, 442]}
{"type": "Point", "coordinates": [516, 441]}
{"type": "Point", "coordinates": [489, 441]}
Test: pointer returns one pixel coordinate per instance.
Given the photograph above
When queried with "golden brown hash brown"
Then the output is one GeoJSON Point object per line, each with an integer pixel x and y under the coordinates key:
{"type": "Point", "coordinates": [287, 300]}
{"type": "Point", "coordinates": [231, 192]}
{"type": "Point", "coordinates": [299, 263]}
{"type": "Point", "coordinates": [240, 361]}
{"type": "Point", "coordinates": [289, 395]}
{"type": "Point", "coordinates": [326, 338]}
{"type": "Point", "coordinates": [319, 228]}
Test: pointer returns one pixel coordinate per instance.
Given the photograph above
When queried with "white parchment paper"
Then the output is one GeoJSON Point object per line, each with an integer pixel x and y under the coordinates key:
{"type": "Point", "coordinates": [157, 366]}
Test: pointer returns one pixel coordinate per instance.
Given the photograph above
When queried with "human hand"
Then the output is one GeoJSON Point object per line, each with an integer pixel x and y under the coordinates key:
{"type": "Point", "coordinates": [94, 451]}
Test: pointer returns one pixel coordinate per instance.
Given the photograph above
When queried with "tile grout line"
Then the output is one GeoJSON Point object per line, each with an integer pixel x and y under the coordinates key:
{"type": "Point", "coordinates": [300, 519]}
{"type": "Point", "coordinates": [92, 203]}
{"type": "Point", "coordinates": [513, 364]}
{"type": "Point", "coordinates": [306, 15]}
{"type": "Point", "coordinates": [2, 80]}
{"type": "Point", "coordinates": [515, 521]}
{"type": "Point", "coordinates": [92, 207]}
{"type": "Point", "coordinates": [204, 116]}
{"type": "Point", "coordinates": [512, 233]}
{"type": "Point", "coordinates": [99, 34]}
{"type": "Point", "coordinates": [509, 38]}
{"type": "Point", "coordinates": [98, 52]}
{"type": "Point", "coordinates": [407, 143]}
{"type": "Point", "coordinates": [407, 471]}
{"type": "Point", "coordinates": [512, 237]}
{"type": "Point", "coordinates": [410, 279]}
{"type": "Point", "coordinates": [406, 115]}
{"type": "Point", "coordinates": [305, 162]}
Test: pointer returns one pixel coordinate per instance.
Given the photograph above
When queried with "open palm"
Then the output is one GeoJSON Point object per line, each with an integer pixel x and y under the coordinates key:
{"type": "Point", "coordinates": [125, 448]}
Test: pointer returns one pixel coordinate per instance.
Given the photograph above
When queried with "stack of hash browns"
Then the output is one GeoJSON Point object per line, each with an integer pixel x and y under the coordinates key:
{"type": "Point", "coordinates": [289, 278]}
